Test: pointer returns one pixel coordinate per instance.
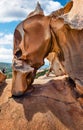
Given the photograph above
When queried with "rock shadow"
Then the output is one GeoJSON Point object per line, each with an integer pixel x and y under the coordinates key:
{"type": "Point", "coordinates": [2, 87]}
{"type": "Point", "coordinates": [52, 101]}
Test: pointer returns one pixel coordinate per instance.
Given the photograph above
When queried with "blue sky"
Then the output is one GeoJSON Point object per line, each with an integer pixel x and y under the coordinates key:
{"type": "Point", "coordinates": [12, 13]}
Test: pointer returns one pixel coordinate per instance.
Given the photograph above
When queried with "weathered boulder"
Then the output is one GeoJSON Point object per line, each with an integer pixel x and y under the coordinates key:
{"type": "Point", "coordinates": [52, 105]}
{"type": "Point", "coordinates": [55, 65]}
{"type": "Point", "coordinates": [2, 77]}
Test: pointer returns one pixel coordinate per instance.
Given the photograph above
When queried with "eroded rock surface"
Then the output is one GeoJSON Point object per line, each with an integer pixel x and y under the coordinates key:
{"type": "Point", "coordinates": [2, 77]}
{"type": "Point", "coordinates": [51, 106]}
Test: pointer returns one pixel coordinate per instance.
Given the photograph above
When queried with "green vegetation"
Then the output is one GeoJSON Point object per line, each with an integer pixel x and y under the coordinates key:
{"type": "Point", "coordinates": [8, 68]}
{"type": "Point", "coordinates": [41, 73]}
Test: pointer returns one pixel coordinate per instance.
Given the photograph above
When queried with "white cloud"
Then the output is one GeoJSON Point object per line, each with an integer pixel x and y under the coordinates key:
{"type": "Point", "coordinates": [6, 39]}
{"type": "Point", "coordinates": [6, 45]}
{"type": "Point", "coordinates": [1, 34]}
{"type": "Point", "coordinates": [19, 9]}
{"type": "Point", "coordinates": [6, 55]}
{"type": "Point", "coordinates": [50, 6]}
{"type": "Point", "coordinates": [46, 62]}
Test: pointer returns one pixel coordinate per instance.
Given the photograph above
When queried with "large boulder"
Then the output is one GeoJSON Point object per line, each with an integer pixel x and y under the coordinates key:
{"type": "Point", "coordinates": [52, 105]}
{"type": "Point", "coordinates": [55, 65]}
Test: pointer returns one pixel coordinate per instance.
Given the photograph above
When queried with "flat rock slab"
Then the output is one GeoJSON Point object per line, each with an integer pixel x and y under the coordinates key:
{"type": "Point", "coordinates": [51, 106]}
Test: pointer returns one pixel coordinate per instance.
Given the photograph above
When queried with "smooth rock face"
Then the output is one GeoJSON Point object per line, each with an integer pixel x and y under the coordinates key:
{"type": "Point", "coordinates": [51, 106]}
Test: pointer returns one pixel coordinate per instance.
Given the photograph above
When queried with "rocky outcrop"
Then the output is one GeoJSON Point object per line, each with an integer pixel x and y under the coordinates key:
{"type": "Point", "coordinates": [51, 105]}
{"type": "Point", "coordinates": [2, 77]}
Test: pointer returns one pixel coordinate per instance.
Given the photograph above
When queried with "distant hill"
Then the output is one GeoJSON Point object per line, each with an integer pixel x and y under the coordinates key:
{"type": "Point", "coordinates": [8, 67]}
